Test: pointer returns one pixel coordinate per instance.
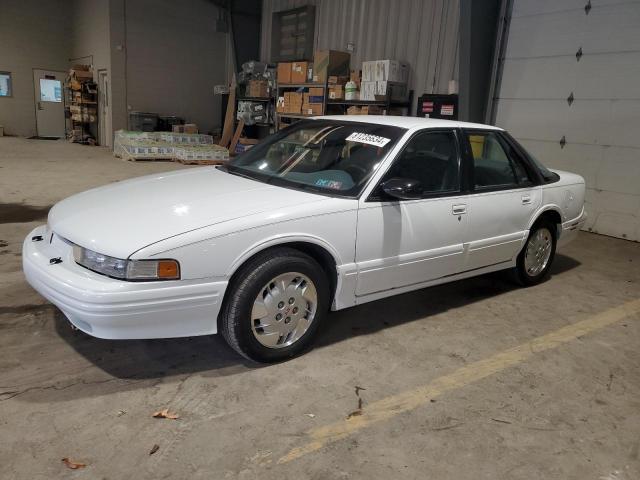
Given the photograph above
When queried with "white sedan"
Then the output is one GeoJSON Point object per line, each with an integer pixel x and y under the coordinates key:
{"type": "Point", "coordinates": [329, 213]}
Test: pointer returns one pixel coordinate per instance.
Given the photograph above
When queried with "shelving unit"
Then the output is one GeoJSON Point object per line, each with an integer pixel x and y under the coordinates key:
{"type": "Point", "coordinates": [83, 111]}
{"type": "Point", "coordinates": [339, 105]}
{"type": "Point", "coordinates": [262, 129]}
{"type": "Point", "coordinates": [385, 104]}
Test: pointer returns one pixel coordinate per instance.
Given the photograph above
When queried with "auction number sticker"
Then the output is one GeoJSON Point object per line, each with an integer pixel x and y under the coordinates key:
{"type": "Point", "coordinates": [374, 140]}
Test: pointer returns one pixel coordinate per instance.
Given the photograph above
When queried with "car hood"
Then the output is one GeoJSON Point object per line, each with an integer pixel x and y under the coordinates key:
{"type": "Point", "coordinates": [123, 217]}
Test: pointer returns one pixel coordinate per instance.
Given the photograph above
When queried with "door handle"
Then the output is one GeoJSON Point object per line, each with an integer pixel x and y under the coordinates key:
{"type": "Point", "coordinates": [526, 199]}
{"type": "Point", "coordinates": [458, 209]}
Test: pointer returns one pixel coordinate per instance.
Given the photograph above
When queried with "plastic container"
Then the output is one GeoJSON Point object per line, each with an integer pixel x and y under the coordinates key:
{"type": "Point", "coordinates": [166, 123]}
{"type": "Point", "coordinates": [351, 91]}
{"type": "Point", "coordinates": [143, 121]}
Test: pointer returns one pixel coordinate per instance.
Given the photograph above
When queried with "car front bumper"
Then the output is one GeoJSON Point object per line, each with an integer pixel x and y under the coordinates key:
{"type": "Point", "coordinates": [115, 309]}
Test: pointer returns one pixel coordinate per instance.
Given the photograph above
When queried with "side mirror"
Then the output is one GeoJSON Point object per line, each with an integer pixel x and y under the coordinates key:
{"type": "Point", "coordinates": [402, 188]}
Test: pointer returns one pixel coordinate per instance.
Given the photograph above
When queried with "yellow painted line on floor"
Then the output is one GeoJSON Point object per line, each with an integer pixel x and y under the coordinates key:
{"type": "Point", "coordinates": [391, 406]}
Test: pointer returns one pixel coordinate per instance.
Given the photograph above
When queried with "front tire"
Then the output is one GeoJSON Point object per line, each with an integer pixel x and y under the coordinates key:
{"type": "Point", "coordinates": [275, 305]}
{"type": "Point", "coordinates": [535, 259]}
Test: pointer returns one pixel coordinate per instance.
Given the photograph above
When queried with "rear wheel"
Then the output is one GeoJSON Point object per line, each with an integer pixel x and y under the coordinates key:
{"type": "Point", "coordinates": [536, 257]}
{"type": "Point", "coordinates": [275, 305]}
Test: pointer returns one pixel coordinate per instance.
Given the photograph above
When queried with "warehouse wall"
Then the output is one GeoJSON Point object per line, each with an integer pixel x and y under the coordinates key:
{"type": "Point", "coordinates": [90, 33]}
{"type": "Point", "coordinates": [90, 38]}
{"type": "Point", "coordinates": [33, 34]}
{"type": "Point", "coordinates": [174, 58]}
{"type": "Point", "coordinates": [601, 127]}
{"type": "Point", "coordinates": [423, 33]}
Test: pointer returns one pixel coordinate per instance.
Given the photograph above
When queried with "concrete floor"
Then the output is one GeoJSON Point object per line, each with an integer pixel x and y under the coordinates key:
{"type": "Point", "coordinates": [570, 410]}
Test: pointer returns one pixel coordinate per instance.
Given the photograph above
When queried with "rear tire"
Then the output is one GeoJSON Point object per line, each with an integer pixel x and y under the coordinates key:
{"type": "Point", "coordinates": [536, 257]}
{"type": "Point", "coordinates": [275, 305]}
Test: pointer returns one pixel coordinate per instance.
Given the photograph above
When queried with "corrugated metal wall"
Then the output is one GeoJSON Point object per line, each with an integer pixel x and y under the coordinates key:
{"type": "Point", "coordinates": [423, 33]}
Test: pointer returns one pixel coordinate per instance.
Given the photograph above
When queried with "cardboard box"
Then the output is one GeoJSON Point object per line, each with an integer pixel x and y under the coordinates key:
{"type": "Point", "coordinates": [330, 62]}
{"type": "Point", "coordinates": [312, 109]}
{"type": "Point", "coordinates": [81, 74]}
{"type": "Point", "coordinates": [294, 108]}
{"type": "Point", "coordinates": [316, 91]}
{"type": "Point", "coordinates": [337, 79]}
{"type": "Point", "coordinates": [258, 89]}
{"type": "Point", "coordinates": [308, 98]}
{"type": "Point", "coordinates": [284, 72]}
{"type": "Point", "coordinates": [356, 76]}
{"type": "Point", "coordinates": [336, 92]}
{"type": "Point", "coordinates": [186, 128]}
{"type": "Point", "coordinates": [371, 110]}
{"type": "Point", "coordinates": [353, 110]}
{"type": "Point", "coordinates": [299, 72]}
{"type": "Point", "coordinates": [368, 90]}
{"type": "Point", "coordinates": [293, 98]}
{"type": "Point", "coordinates": [391, 70]}
{"type": "Point", "coordinates": [369, 71]}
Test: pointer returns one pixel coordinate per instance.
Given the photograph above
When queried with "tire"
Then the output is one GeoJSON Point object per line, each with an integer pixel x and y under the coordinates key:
{"type": "Point", "coordinates": [529, 271]}
{"type": "Point", "coordinates": [263, 288]}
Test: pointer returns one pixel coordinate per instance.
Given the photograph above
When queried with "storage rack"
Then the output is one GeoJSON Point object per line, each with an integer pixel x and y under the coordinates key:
{"type": "Point", "coordinates": [340, 104]}
{"type": "Point", "coordinates": [386, 104]}
{"type": "Point", "coordinates": [269, 101]}
{"type": "Point", "coordinates": [86, 98]}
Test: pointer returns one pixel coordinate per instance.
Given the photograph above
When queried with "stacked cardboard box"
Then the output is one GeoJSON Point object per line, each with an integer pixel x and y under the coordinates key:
{"type": "Point", "coordinates": [365, 110]}
{"type": "Point", "coordinates": [330, 62]}
{"type": "Point", "coordinates": [313, 101]}
{"type": "Point", "coordinates": [384, 77]}
{"type": "Point", "coordinates": [290, 102]}
{"type": "Point", "coordinates": [184, 148]}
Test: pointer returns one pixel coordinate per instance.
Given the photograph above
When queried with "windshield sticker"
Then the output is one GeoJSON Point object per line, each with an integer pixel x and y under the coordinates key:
{"type": "Point", "coordinates": [374, 140]}
{"type": "Point", "coordinates": [329, 184]}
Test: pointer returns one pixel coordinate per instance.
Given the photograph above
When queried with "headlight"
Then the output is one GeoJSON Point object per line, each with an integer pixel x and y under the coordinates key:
{"type": "Point", "coordinates": [126, 269]}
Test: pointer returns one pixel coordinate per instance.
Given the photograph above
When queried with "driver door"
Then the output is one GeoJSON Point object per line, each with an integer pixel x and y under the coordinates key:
{"type": "Point", "coordinates": [407, 242]}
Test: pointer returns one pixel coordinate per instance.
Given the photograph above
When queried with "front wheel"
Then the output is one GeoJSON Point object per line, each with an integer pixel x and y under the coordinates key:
{"type": "Point", "coordinates": [536, 257]}
{"type": "Point", "coordinates": [275, 305]}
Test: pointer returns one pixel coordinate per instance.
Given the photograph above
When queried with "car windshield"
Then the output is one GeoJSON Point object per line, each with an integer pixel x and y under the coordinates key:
{"type": "Point", "coordinates": [324, 156]}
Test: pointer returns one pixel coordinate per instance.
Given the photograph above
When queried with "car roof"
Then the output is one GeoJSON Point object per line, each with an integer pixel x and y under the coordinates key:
{"type": "Point", "coordinates": [407, 122]}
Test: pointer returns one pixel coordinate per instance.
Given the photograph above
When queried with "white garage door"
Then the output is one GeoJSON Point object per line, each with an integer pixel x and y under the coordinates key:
{"type": "Point", "coordinates": [572, 72]}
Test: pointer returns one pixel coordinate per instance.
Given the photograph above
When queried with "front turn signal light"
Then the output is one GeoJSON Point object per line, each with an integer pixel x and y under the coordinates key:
{"type": "Point", "coordinates": [168, 269]}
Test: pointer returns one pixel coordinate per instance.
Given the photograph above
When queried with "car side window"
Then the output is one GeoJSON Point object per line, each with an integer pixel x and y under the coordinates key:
{"type": "Point", "coordinates": [432, 159]}
{"type": "Point", "coordinates": [493, 166]}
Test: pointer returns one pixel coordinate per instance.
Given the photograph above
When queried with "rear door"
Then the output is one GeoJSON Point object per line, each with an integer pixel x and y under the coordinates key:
{"type": "Point", "coordinates": [503, 197]}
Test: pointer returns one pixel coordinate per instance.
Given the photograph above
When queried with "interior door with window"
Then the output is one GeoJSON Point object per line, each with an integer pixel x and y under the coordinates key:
{"type": "Point", "coordinates": [49, 102]}
{"type": "Point", "coordinates": [502, 201]}
{"type": "Point", "coordinates": [407, 242]}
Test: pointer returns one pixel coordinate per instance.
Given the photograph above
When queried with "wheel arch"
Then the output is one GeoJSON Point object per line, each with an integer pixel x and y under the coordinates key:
{"type": "Point", "coordinates": [317, 249]}
{"type": "Point", "coordinates": [551, 212]}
